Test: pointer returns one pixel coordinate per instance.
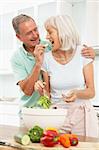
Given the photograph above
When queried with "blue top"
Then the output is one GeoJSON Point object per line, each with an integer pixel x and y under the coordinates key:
{"type": "Point", "coordinates": [22, 64]}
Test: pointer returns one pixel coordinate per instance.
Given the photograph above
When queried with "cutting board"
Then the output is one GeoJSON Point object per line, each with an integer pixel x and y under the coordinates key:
{"type": "Point", "coordinates": [80, 146]}
{"type": "Point", "coordinates": [7, 148]}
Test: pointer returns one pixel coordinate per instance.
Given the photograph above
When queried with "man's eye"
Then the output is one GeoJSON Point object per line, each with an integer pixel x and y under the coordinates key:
{"type": "Point", "coordinates": [28, 33]}
{"type": "Point", "coordinates": [36, 29]}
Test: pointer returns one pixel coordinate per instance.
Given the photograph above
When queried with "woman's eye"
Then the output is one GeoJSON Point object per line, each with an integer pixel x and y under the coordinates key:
{"type": "Point", "coordinates": [50, 32]}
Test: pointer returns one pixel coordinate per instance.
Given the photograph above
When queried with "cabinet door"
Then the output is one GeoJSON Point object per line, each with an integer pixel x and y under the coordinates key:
{"type": "Point", "coordinates": [9, 114]}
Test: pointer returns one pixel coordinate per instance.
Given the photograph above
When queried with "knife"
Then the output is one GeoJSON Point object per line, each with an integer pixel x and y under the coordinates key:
{"type": "Point", "coordinates": [4, 143]}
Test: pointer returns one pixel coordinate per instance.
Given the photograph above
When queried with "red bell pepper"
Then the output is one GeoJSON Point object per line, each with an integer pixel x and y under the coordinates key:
{"type": "Point", "coordinates": [73, 141]}
{"type": "Point", "coordinates": [49, 141]}
{"type": "Point", "coordinates": [51, 133]}
{"type": "Point", "coordinates": [68, 140]}
{"type": "Point", "coordinates": [50, 138]}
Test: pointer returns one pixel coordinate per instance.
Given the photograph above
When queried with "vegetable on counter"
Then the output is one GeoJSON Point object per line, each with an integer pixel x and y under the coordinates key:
{"type": "Point", "coordinates": [73, 141]}
{"type": "Point", "coordinates": [64, 141]}
{"type": "Point", "coordinates": [52, 128]}
{"type": "Point", "coordinates": [68, 140]}
{"type": "Point", "coordinates": [51, 133]}
{"type": "Point", "coordinates": [44, 102]}
{"type": "Point", "coordinates": [35, 134]}
{"type": "Point", "coordinates": [21, 138]}
{"type": "Point", "coordinates": [50, 138]}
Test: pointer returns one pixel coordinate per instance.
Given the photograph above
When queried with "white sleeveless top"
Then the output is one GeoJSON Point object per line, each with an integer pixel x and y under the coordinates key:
{"type": "Point", "coordinates": [66, 77]}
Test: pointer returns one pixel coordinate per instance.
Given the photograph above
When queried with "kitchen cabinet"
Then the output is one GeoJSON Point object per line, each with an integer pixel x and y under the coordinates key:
{"type": "Point", "coordinates": [9, 113]}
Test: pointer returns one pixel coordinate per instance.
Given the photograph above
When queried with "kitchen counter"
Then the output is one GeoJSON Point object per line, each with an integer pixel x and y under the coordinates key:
{"type": "Point", "coordinates": [7, 133]}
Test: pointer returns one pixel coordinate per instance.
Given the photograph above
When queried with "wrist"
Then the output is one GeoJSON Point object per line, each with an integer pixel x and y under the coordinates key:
{"type": "Point", "coordinates": [76, 93]}
{"type": "Point", "coordinates": [38, 64]}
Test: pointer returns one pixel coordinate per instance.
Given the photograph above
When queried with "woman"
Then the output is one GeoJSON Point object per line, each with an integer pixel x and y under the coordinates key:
{"type": "Point", "coordinates": [69, 77]}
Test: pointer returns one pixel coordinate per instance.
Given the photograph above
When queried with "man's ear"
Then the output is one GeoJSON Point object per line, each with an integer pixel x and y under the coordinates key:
{"type": "Point", "coordinates": [18, 36]}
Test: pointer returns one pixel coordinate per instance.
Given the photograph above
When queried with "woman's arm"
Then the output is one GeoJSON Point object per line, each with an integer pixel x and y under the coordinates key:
{"type": "Point", "coordinates": [88, 92]}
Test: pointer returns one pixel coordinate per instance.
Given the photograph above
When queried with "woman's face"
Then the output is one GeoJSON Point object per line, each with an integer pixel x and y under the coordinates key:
{"type": "Point", "coordinates": [52, 36]}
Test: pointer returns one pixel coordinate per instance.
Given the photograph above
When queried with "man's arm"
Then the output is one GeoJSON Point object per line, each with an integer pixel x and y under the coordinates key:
{"type": "Point", "coordinates": [88, 52]}
{"type": "Point", "coordinates": [27, 85]}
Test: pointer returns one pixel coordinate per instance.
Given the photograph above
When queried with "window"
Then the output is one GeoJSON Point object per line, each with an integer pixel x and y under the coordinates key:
{"type": "Point", "coordinates": [8, 41]}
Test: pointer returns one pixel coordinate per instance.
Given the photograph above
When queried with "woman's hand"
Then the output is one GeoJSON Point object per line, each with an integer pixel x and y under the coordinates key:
{"type": "Point", "coordinates": [70, 96]}
{"type": "Point", "coordinates": [39, 86]}
{"type": "Point", "coordinates": [88, 52]}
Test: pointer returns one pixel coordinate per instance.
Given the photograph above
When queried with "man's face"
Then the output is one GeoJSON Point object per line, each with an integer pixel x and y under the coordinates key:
{"type": "Point", "coordinates": [29, 34]}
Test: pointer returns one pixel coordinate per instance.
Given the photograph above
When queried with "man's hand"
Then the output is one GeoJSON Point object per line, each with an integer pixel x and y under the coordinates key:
{"type": "Point", "coordinates": [39, 86]}
{"type": "Point", "coordinates": [39, 53]}
{"type": "Point", "coordinates": [88, 52]}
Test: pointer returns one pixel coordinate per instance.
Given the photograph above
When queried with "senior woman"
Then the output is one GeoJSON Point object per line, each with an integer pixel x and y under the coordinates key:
{"type": "Point", "coordinates": [69, 77]}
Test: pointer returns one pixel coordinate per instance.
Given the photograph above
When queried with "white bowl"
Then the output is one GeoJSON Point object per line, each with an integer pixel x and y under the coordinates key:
{"type": "Point", "coordinates": [43, 117]}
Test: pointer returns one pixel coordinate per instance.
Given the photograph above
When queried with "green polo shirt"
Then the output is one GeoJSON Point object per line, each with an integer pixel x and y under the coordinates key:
{"type": "Point", "coordinates": [22, 64]}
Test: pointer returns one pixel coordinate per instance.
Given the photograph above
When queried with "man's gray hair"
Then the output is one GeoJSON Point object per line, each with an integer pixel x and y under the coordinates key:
{"type": "Point", "coordinates": [18, 20]}
{"type": "Point", "coordinates": [67, 32]}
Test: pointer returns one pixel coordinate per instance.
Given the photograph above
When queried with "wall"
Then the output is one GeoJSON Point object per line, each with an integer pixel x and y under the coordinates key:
{"type": "Point", "coordinates": [8, 87]}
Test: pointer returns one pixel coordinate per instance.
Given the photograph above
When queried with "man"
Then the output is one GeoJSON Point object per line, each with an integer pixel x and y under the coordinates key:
{"type": "Point", "coordinates": [27, 61]}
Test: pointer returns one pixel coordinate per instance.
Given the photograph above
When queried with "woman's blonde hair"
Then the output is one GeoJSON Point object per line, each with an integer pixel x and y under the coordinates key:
{"type": "Point", "coordinates": [67, 32]}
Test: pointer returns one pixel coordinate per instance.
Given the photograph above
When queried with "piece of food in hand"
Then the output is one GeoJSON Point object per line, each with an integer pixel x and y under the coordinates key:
{"type": "Point", "coordinates": [50, 138]}
{"type": "Point", "coordinates": [22, 138]}
{"type": "Point", "coordinates": [35, 134]}
{"type": "Point", "coordinates": [45, 45]}
{"type": "Point", "coordinates": [44, 102]}
{"type": "Point", "coordinates": [68, 94]}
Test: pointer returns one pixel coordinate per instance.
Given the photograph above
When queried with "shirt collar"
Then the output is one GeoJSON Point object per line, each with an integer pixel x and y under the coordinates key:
{"type": "Point", "coordinates": [27, 53]}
